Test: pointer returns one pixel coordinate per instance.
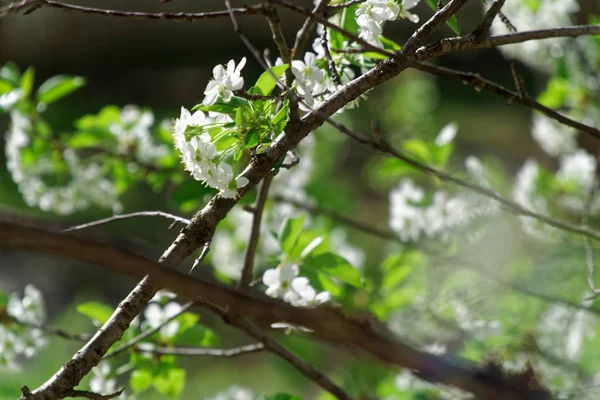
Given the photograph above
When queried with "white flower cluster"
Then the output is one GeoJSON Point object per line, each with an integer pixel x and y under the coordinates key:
{"type": "Point", "coordinates": [534, 15]}
{"type": "Point", "coordinates": [372, 14]}
{"type": "Point", "coordinates": [411, 218]}
{"type": "Point", "coordinates": [87, 186]}
{"type": "Point", "coordinates": [553, 137]}
{"type": "Point", "coordinates": [133, 133]}
{"type": "Point", "coordinates": [234, 392]}
{"type": "Point", "coordinates": [103, 381]}
{"type": "Point", "coordinates": [157, 313]}
{"type": "Point", "coordinates": [284, 282]}
{"type": "Point", "coordinates": [200, 155]}
{"type": "Point", "coordinates": [16, 340]}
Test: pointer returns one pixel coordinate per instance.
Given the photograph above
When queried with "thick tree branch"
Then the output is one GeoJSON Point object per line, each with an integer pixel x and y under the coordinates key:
{"type": "Point", "coordinates": [327, 323]}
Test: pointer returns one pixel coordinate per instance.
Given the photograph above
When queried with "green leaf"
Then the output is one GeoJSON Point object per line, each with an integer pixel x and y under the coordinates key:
{"type": "Point", "coordinates": [10, 72]}
{"type": "Point", "coordinates": [5, 86]}
{"type": "Point", "coordinates": [140, 380]}
{"type": "Point", "coordinates": [252, 139]}
{"type": "Point", "coordinates": [311, 246]}
{"type": "Point", "coordinates": [58, 87]}
{"type": "Point", "coordinates": [418, 148]}
{"type": "Point", "coordinates": [555, 94]}
{"type": "Point", "coordinates": [170, 381]}
{"type": "Point", "coordinates": [335, 266]}
{"type": "Point", "coordinates": [266, 82]}
{"type": "Point", "coordinates": [96, 311]}
{"type": "Point", "coordinates": [288, 233]}
{"type": "Point", "coordinates": [280, 119]}
{"type": "Point", "coordinates": [3, 299]}
{"type": "Point", "coordinates": [281, 396]}
{"type": "Point", "coordinates": [197, 335]}
{"type": "Point", "coordinates": [452, 22]}
{"type": "Point", "coordinates": [85, 140]}
{"type": "Point", "coordinates": [26, 82]}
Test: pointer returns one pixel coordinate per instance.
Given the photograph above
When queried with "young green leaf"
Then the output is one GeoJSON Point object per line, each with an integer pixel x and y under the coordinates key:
{"type": "Point", "coordinates": [266, 82]}
{"type": "Point", "coordinates": [140, 380]}
{"type": "Point", "coordinates": [170, 381]}
{"type": "Point", "coordinates": [96, 311]}
{"type": "Point", "coordinates": [252, 138]}
{"type": "Point", "coordinates": [26, 82]}
{"type": "Point", "coordinates": [335, 266]}
{"type": "Point", "coordinates": [58, 87]}
{"type": "Point", "coordinates": [288, 233]}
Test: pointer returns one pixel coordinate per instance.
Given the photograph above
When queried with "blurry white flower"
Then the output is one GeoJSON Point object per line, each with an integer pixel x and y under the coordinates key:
{"type": "Point", "coordinates": [407, 5]}
{"type": "Point", "coordinates": [163, 296]}
{"type": "Point", "coordinates": [30, 308]}
{"type": "Point", "coordinates": [579, 167]}
{"type": "Point", "coordinates": [536, 15]}
{"type": "Point", "coordinates": [553, 137]}
{"type": "Point", "coordinates": [101, 382]}
{"type": "Point", "coordinates": [447, 134]}
{"type": "Point", "coordinates": [156, 315]}
{"type": "Point", "coordinates": [224, 82]}
{"type": "Point", "coordinates": [278, 280]}
{"type": "Point", "coordinates": [234, 392]}
{"type": "Point", "coordinates": [8, 100]}
{"type": "Point", "coordinates": [301, 294]}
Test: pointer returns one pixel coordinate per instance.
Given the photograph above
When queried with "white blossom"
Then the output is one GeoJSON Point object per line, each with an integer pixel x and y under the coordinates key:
{"type": "Point", "coordinates": [225, 81]}
{"type": "Point", "coordinates": [156, 315]}
{"type": "Point", "coordinates": [133, 132]}
{"type": "Point", "coordinates": [10, 99]}
{"type": "Point", "coordinates": [301, 294]}
{"type": "Point", "coordinates": [200, 156]}
{"type": "Point", "coordinates": [447, 134]}
{"type": "Point", "coordinates": [278, 280]}
{"type": "Point", "coordinates": [101, 381]}
{"type": "Point", "coordinates": [234, 392]}
{"type": "Point", "coordinates": [553, 137]}
{"type": "Point", "coordinates": [526, 15]}
{"type": "Point", "coordinates": [579, 167]}
{"type": "Point", "coordinates": [30, 308]}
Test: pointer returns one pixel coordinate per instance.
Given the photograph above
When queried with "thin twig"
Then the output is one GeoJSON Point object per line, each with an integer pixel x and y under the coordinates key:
{"type": "Point", "coordinates": [82, 337]}
{"type": "Point", "coordinates": [483, 29]}
{"type": "Point", "coordinates": [181, 16]}
{"type": "Point", "coordinates": [119, 217]}
{"type": "Point", "coordinates": [250, 255]}
{"type": "Point", "coordinates": [335, 76]}
{"type": "Point", "coordinates": [274, 347]}
{"type": "Point", "coordinates": [286, 56]}
{"type": "Point", "coordinates": [147, 333]}
{"type": "Point", "coordinates": [518, 81]}
{"type": "Point", "coordinates": [202, 256]}
{"type": "Point", "coordinates": [303, 35]}
{"type": "Point", "coordinates": [204, 351]}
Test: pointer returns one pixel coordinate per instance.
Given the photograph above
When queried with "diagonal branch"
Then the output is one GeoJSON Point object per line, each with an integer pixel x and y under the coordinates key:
{"type": "Point", "coordinates": [327, 323]}
{"type": "Point", "coordinates": [484, 28]}
{"type": "Point", "coordinates": [274, 347]}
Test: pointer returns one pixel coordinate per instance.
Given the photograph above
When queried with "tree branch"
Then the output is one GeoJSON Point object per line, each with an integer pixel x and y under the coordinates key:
{"type": "Point", "coordinates": [201, 351]}
{"type": "Point", "coordinates": [181, 16]}
{"type": "Point", "coordinates": [175, 219]}
{"type": "Point", "coordinates": [274, 347]}
{"type": "Point", "coordinates": [257, 212]}
{"type": "Point", "coordinates": [327, 323]}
